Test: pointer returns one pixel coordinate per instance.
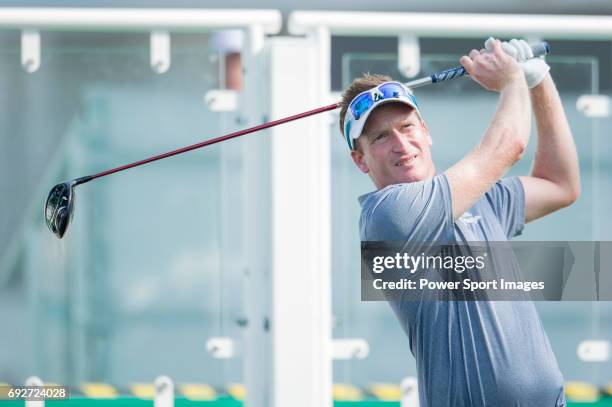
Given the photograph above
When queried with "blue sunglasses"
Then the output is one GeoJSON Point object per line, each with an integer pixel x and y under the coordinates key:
{"type": "Point", "coordinates": [365, 101]}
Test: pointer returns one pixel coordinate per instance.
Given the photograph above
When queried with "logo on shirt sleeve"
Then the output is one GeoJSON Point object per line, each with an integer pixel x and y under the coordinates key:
{"type": "Point", "coordinates": [467, 218]}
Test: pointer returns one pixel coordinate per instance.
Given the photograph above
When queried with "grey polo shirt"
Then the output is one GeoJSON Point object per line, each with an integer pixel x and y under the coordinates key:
{"type": "Point", "coordinates": [471, 353]}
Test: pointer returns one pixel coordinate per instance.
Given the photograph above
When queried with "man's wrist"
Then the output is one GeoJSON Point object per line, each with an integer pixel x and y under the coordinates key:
{"type": "Point", "coordinates": [545, 82]}
{"type": "Point", "coordinates": [516, 81]}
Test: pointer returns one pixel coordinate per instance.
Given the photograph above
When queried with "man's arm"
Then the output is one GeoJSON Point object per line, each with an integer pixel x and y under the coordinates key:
{"type": "Point", "coordinates": [554, 182]}
{"type": "Point", "coordinates": [506, 138]}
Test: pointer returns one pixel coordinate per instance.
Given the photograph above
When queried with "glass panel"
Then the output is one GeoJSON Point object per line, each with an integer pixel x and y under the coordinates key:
{"type": "Point", "coordinates": [457, 113]}
{"type": "Point", "coordinates": [136, 286]}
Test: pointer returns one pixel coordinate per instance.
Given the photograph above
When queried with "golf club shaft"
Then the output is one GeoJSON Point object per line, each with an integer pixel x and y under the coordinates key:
{"type": "Point", "coordinates": [538, 50]}
{"type": "Point", "coordinates": [215, 140]}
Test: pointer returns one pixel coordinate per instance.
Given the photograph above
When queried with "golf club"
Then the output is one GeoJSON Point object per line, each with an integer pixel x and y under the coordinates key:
{"type": "Point", "coordinates": [59, 206]}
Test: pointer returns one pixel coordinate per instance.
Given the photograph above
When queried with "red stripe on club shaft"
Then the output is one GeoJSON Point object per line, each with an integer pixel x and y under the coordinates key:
{"type": "Point", "coordinates": [219, 139]}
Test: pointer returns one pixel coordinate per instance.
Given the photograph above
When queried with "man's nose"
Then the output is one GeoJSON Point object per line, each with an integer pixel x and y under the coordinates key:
{"type": "Point", "coordinates": [401, 143]}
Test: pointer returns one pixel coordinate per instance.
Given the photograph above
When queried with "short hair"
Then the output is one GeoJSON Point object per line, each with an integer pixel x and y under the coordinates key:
{"type": "Point", "coordinates": [360, 84]}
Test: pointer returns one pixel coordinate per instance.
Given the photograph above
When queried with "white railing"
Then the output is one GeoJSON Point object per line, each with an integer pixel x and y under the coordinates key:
{"type": "Point", "coordinates": [109, 19]}
{"type": "Point", "coordinates": [452, 25]}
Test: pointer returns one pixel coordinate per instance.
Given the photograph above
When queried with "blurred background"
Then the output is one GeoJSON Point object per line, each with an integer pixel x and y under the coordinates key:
{"type": "Point", "coordinates": [152, 267]}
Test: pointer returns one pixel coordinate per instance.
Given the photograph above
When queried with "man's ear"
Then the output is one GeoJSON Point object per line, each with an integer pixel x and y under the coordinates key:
{"type": "Point", "coordinates": [359, 160]}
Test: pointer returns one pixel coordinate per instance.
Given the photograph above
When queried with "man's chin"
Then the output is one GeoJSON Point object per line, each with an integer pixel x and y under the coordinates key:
{"type": "Point", "coordinates": [404, 176]}
{"type": "Point", "coordinates": [411, 175]}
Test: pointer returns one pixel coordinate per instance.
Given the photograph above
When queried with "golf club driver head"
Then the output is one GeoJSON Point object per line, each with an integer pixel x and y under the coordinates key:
{"type": "Point", "coordinates": [60, 207]}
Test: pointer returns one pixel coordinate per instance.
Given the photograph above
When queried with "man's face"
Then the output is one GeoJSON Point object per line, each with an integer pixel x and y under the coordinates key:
{"type": "Point", "coordinates": [395, 147]}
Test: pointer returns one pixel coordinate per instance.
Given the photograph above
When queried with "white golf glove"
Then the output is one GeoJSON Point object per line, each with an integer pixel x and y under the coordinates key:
{"type": "Point", "coordinates": [535, 69]}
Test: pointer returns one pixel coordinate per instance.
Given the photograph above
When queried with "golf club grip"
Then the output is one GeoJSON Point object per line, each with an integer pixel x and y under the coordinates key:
{"type": "Point", "coordinates": [539, 49]}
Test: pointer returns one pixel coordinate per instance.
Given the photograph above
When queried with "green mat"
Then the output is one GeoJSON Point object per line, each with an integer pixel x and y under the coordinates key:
{"type": "Point", "coordinates": [224, 402]}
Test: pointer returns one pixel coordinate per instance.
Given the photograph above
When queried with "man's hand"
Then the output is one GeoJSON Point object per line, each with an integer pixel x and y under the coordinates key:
{"type": "Point", "coordinates": [493, 69]}
{"type": "Point", "coordinates": [534, 68]}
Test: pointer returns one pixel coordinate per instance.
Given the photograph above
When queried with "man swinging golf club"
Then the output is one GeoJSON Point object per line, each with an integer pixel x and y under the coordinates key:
{"type": "Point", "coordinates": [472, 353]}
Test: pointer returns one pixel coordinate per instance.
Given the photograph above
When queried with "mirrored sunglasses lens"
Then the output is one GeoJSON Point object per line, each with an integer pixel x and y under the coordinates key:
{"type": "Point", "coordinates": [361, 105]}
{"type": "Point", "coordinates": [392, 90]}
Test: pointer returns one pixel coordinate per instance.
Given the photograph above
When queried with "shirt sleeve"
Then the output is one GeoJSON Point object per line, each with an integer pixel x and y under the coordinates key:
{"type": "Point", "coordinates": [507, 198]}
{"type": "Point", "coordinates": [418, 211]}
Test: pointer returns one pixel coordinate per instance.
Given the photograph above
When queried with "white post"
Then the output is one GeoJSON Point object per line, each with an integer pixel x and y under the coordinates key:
{"type": "Point", "coordinates": [410, 392]}
{"type": "Point", "coordinates": [257, 235]}
{"type": "Point", "coordinates": [301, 294]}
{"type": "Point", "coordinates": [34, 381]}
{"type": "Point", "coordinates": [160, 51]}
{"type": "Point", "coordinates": [164, 392]}
{"type": "Point", "coordinates": [408, 55]}
{"type": "Point", "coordinates": [30, 50]}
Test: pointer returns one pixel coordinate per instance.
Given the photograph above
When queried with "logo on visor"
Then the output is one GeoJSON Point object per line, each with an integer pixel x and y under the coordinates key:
{"type": "Point", "coordinates": [377, 95]}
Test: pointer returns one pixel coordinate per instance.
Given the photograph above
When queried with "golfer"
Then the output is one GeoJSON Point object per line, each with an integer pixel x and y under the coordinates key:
{"type": "Point", "coordinates": [471, 353]}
